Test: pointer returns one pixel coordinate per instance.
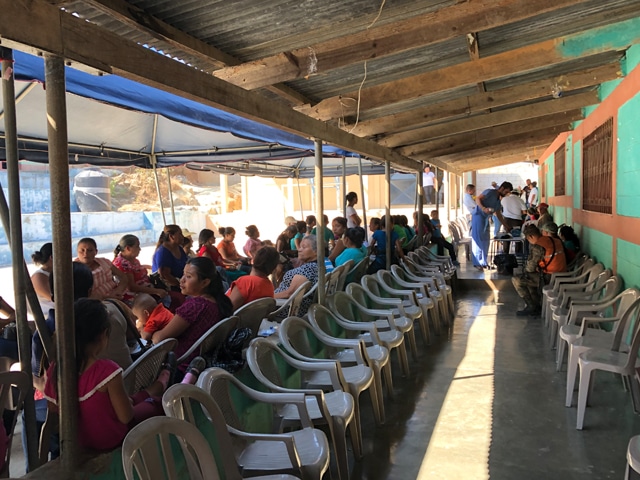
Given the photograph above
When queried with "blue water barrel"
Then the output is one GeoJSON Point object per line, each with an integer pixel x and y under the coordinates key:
{"type": "Point", "coordinates": [92, 192]}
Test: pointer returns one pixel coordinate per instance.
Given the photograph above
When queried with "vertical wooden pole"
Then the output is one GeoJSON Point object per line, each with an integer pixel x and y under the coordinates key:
{"type": "Point", "coordinates": [319, 180]}
{"type": "Point", "coordinates": [387, 195]}
{"type": "Point", "coordinates": [14, 233]}
{"type": "Point", "coordinates": [61, 235]}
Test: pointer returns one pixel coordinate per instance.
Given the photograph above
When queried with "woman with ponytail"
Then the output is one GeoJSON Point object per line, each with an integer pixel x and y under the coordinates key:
{"type": "Point", "coordinates": [206, 305]}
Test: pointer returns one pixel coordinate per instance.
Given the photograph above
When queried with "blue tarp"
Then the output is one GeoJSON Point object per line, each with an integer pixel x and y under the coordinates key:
{"type": "Point", "coordinates": [106, 144]}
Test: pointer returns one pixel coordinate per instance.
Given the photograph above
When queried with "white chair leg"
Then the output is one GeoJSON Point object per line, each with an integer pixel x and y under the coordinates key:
{"type": "Point", "coordinates": [388, 378]}
{"type": "Point", "coordinates": [572, 366]}
{"type": "Point", "coordinates": [560, 353]}
{"type": "Point", "coordinates": [583, 393]}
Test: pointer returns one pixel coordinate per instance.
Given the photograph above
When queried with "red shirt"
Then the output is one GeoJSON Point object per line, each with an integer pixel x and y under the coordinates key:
{"type": "Point", "coordinates": [252, 287]}
{"type": "Point", "coordinates": [213, 252]}
{"type": "Point", "coordinates": [158, 319]}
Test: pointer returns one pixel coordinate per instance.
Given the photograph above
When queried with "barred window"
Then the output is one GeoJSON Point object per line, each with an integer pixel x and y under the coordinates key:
{"type": "Point", "coordinates": [597, 169]}
{"type": "Point", "coordinates": [560, 171]}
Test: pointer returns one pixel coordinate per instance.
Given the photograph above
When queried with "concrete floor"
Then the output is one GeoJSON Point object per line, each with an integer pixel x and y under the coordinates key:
{"type": "Point", "coordinates": [484, 402]}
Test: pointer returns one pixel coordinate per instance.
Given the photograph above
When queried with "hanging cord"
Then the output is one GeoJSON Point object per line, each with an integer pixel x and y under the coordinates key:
{"type": "Point", "coordinates": [359, 92]}
{"type": "Point", "coordinates": [379, 13]}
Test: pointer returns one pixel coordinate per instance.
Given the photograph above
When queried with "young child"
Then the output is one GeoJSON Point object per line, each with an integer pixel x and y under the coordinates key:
{"type": "Point", "coordinates": [106, 412]}
{"type": "Point", "coordinates": [152, 316]}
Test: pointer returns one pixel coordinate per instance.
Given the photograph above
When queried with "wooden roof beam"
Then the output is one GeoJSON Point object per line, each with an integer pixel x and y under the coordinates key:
{"type": "Point", "coordinates": [528, 58]}
{"type": "Point", "coordinates": [483, 101]}
{"type": "Point", "coordinates": [39, 26]}
{"type": "Point", "coordinates": [388, 39]}
{"type": "Point", "coordinates": [140, 20]}
{"type": "Point", "coordinates": [500, 117]}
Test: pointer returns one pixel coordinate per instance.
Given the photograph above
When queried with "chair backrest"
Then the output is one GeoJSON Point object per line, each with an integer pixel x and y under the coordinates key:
{"type": "Point", "coordinates": [332, 279]}
{"type": "Point", "coordinates": [297, 336]}
{"type": "Point", "coordinates": [356, 273]}
{"type": "Point", "coordinates": [372, 287]}
{"type": "Point", "coordinates": [627, 335]}
{"type": "Point", "coordinates": [310, 297]}
{"type": "Point", "coordinates": [342, 281]}
{"type": "Point", "coordinates": [346, 308]}
{"type": "Point", "coordinates": [213, 337]}
{"type": "Point", "coordinates": [296, 299]}
{"type": "Point", "coordinates": [411, 244]}
{"type": "Point", "coordinates": [144, 371]}
{"type": "Point", "coordinates": [267, 361]}
{"type": "Point", "coordinates": [12, 402]}
{"type": "Point", "coordinates": [323, 319]}
{"type": "Point", "coordinates": [251, 314]}
{"type": "Point", "coordinates": [163, 447]}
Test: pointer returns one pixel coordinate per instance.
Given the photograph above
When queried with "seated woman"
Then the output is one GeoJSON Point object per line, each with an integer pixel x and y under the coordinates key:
{"type": "Point", "coordinates": [105, 411]}
{"type": "Point", "coordinates": [104, 286]}
{"type": "Point", "coordinates": [353, 239]}
{"type": "Point", "coordinates": [228, 270]}
{"type": "Point", "coordinates": [307, 271]}
{"type": "Point", "coordinates": [570, 241]}
{"type": "Point", "coordinates": [339, 227]}
{"type": "Point", "coordinates": [169, 258]}
{"type": "Point", "coordinates": [40, 278]}
{"type": "Point", "coordinates": [126, 259]}
{"type": "Point", "coordinates": [302, 230]}
{"type": "Point", "coordinates": [206, 305]}
{"type": "Point", "coordinates": [257, 285]}
{"type": "Point", "coordinates": [378, 245]}
{"type": "Point", "coordinates": [8, 344]}
{"type": "Point", "coordinates": [227, 248]}
{"type": "Point", "coordinates": [283, 243]}
{"type": "Point", "coordinates": [187, 246]}
{"type": "Point", "coordinates": [253, 243]}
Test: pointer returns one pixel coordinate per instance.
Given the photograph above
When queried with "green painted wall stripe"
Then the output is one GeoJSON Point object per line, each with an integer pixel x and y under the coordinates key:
{"type": "Point", "coordinates": [629, 263]}
{"type": "Point", "coordinates": [616, 36]}
{"type": "Point", "coordinates": [628, 159]}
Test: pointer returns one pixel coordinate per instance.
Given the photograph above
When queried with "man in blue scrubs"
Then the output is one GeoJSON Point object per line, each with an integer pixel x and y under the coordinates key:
{"type": "Point", "coordinates": [487, 203]}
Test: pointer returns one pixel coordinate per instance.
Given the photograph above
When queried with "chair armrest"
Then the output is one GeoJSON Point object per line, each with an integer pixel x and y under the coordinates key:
{"type": "Point", "coordinates": [586, 321]}
{"type": "Point", "coordinates": [285, 438]}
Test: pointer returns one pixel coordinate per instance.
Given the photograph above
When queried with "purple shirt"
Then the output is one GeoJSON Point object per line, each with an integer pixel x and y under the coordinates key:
{"type": "Point", "coordinates": [201, 314]}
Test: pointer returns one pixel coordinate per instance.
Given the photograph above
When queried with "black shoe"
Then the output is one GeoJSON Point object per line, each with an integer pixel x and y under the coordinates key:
{"type": "Point", "coordinates": [196, 366]}
{"type": "Point", "coordinates": [171, 364]}
{"type": "Point", "coordinates": [536, 312]}
{"type": "Point", "coordinates": [526, 311]}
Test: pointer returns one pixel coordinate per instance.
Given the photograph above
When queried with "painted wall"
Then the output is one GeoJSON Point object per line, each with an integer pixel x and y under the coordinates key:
{"type": "Point", "coordinates": [614, 239]}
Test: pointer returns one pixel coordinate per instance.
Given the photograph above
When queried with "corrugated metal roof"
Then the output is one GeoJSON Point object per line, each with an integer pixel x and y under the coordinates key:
{"type": "Point", "coordinates": [256, 29]}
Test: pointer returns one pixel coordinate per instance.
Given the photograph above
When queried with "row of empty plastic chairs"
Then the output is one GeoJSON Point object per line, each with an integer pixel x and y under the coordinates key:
{"type": "Point", "coordinates": [588, 316]}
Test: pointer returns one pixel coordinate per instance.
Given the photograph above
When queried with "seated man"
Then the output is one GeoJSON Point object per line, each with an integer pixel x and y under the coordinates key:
{"type": "Point", "coordinates": [546, 256]}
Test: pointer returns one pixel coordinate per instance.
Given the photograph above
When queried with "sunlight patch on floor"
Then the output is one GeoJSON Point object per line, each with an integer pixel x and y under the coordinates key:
{"type": "Point", "coordinates": [459, 446]}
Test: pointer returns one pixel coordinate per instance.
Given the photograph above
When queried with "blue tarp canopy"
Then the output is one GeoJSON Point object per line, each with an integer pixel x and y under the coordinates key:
{"type": "Point", "coordinates": [115, 121]}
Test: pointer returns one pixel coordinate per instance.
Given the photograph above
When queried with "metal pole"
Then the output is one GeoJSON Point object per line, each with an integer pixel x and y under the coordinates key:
{"type": "Point", "coordinates": [320, 219]}
{"type": "Point", "coordinates": [300, 196]}
{"type": "Point", "coordinates": [387, 218]}
{"type": "Point", "coordinates": [173, 212]}
{"type": "Point", "coordinates": [365, 225]}
{"type": "Point", "coordinates": [17, 254]}
{"type": "Point", "coordinates": [154, 163]}
{"type": "Point", "coordinates": [61, 235]}
{"type": "Point", "coordinates": [420, 191]}
{"type": "Point", "coordinates": [344, 187]}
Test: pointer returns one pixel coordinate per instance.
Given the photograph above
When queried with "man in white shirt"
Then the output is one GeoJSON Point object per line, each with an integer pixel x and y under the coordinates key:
{"type": "Point", "coordinates": [429, 184]}
{"type": "Point", "coordinates": [468, 199]}
{"type": "Point", "coordinates": [513, 208]}
{"type": "Point", "coordinates": [533, 194]}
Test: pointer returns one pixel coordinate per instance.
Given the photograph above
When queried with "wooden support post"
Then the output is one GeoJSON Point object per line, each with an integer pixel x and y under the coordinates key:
{"type": "Point", "coordinates": [320, 219]}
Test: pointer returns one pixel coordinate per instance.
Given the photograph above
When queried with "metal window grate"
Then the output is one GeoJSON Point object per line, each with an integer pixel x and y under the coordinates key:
{"type": "Point", "coordinates": [597, 169]}
{"type": "Point", "coordinates": [560, 171]}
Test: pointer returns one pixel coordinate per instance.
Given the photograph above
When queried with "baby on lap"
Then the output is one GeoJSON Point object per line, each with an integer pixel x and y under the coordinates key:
{"type": "Point", "coordinates": [152, 316]}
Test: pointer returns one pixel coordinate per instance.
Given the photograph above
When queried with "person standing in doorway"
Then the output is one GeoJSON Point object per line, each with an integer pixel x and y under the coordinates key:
{"type": "Point", "coordinates": [533, 194]}
{"type": "Point", "coordinates": [429, 183]}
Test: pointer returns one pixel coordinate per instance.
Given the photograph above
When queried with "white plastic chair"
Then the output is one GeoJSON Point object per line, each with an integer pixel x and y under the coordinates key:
{"type": "Point", "coordinates": [355, 321]}
{"type": "Point", "coordinates": [567, 328]}
{"type": "Point", "coordinates": [150, 451]}
{"type": "Point", "coordinates": [210, 407]}
{"type": "Point", "coordinates": [403, 303]}
{"type": "Point", "coordinates": [289, 307]}
{"type": "Point", "coordinates": [302, 341]}
{"type": "Point", "coordinates": [326, 326]}
{"type": "Point", "coordinates": [251, 314]}
{"type": "Point", "coordinates": [626, 306]}
{"type": "Point", "coordinates": [633, 456]}
{"type": "Point", "coordinates": [12, 403]}
{"type": "Point", "coordinates": [144, 371]}
{"type": "Point", "coordinates": [211, 338]}
{"type": "Point", "coordinates": [579, 282]}
{"type": "Point", "coordinates": [614, 360]}
{"type": "Point", "coordinates": [281, 372]}
{"type": "Point", "coordinates": [358, 271]}
{"type": "Point", "coordinates": [439, 283]}
{"type": "Point", "coordinates": [421, 295]}
{"type": "Point", "coordinates": [342, 280]}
